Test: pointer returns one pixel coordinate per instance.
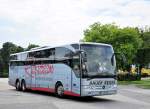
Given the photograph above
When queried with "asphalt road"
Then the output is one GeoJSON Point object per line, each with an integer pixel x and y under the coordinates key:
{"type": "Point", "coordinates": [128, 97]}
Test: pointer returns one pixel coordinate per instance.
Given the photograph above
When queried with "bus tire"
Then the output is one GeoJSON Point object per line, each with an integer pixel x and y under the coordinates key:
{"type": "Point", "coordinates": [59, 90]}
{"type": "Point", "coordinates": [23, 86]}
{"type": "Point", "coordinates": [17, 85]}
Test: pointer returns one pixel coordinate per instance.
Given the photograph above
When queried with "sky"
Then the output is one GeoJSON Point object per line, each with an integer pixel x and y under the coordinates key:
{"type": "Point", "coordinates": [56, 22]}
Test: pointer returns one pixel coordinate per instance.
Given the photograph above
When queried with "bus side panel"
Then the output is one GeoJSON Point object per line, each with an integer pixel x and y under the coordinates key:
{"type": "Point", "coordinates": [70, 82]}
{"type": "Point", "coordinates": [44, 76]}
{"type": "Point", "coordinates": [62, 73]}
{"type": "Point", "coordinates": [75, 84]}
{"type": "Point", "coordinates": [47, 75]}
{"type": "Point", "coordinates": [21, 73]}
{"type": "Point", "coordinates": [27, 75]}
{"type": "Point", "coordinates": [30, 72]}
{"type": "Point", "coordinates": [13, 75]}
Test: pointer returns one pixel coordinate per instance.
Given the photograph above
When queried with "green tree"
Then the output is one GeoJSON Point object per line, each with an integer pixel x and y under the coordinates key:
{"type": "Point", "coordinates": [7, 49]}
{"type": "Point", "coordinates": [146, 38]}
{"type": "Point", "coordinates": [101, 33]}
{"type": "Point", "coordinates": [127, 41]}
{"type": "Point", "coordinates": [31, 46]}
{"type": "Point", "coordinates": [143, 54]}
{"type": "Point", "coordinates": [19, 49]}
{"type": "Point", "coordinates": [124, 40]}
{"type": "Point", "coordinates": [0, 63]}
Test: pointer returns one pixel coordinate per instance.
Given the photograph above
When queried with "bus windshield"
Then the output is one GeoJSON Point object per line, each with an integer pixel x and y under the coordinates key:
{"type": "Point", "coordinates": [98, 61]}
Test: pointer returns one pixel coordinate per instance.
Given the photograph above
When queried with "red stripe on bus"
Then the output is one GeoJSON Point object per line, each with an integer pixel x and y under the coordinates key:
{"type": "Point", "coordinates": [53, 90]}
{"type": "Point", "coordinates": [43, 89]}
{"type": "Point", "coordinates": [71, 93]}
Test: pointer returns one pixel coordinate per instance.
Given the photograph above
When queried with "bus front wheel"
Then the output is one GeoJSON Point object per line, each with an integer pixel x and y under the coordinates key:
{"type": "Point", "coordinates": [59, 90]}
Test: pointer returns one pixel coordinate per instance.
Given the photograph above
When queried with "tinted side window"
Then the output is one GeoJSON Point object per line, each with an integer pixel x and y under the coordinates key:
{"type": "Point", "coordinates": [38, 54]}
{"type": "Point", "coordinates": [31, 55]}
{"type": "Point", "coordinates": [13, 63]}
{"type": "Point", "coordinates": [48, 53]}
{"type": "Point", "coordinates": [75, 46]}
{"type": "Point", "coordinates": [13, 57]}
{"type": "Point", "coordinates": [51, 54]}
{"type": "Point", "coordinates": [21, 63]}
{"type": "Point", "coordinates": [62, 52]}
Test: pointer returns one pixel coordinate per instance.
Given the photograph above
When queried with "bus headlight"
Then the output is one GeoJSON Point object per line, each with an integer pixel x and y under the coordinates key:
{"type": "Point", "coordinates": [76, 67]}
{"type": "Point", "coordinates": [115, 85]}
{"type": "Point", "coordinates": [84, 67]}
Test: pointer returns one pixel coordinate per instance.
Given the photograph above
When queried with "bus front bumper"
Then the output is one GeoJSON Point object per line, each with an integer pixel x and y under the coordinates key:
{"type": "Point", "coordinates": [91, 91]}
{"type": "Point", "coordinates": [99, 93]}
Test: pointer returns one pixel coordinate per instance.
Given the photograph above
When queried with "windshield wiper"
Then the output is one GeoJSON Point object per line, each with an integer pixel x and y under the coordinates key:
{"type": "Point", "coordinates": [91, 77]}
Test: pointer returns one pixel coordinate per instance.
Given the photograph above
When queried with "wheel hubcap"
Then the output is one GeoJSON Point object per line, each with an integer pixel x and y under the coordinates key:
{"type": "Point", "coordinates": [60, 90]}
{"type": "Point", "coordinates": [17, 85]}
{"type": "Point", "coordinates": [23, 87]}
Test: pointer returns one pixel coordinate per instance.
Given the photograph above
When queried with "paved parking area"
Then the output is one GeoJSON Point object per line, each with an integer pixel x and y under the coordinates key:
{"type": "Point", "coordinates": [128, 97]}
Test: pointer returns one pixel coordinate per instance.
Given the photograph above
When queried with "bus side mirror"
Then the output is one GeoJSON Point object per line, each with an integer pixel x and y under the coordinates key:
{"type": "Point", "coordinates": [82, 53]}
{"type": "Point", "coordinates": [78, 52]}
{"type": "Point", "coordinates": [112, 59]}
{"type": "Point", "coordinates": [84, 56]}
{"type": "Point", "coordinates": [123, 58]}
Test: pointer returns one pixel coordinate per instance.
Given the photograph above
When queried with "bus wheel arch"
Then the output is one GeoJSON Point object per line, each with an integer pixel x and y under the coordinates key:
{"type": "Point", "coordinates": [17, 85]}
{"type": "Point", "coordinates": [23, 85]}
{"type": "Point", "coordinates": [59, 89]}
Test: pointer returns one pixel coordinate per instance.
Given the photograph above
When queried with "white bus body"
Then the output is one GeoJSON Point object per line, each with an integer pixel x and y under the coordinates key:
{"type": "Point", "coordinates": [61, 70]}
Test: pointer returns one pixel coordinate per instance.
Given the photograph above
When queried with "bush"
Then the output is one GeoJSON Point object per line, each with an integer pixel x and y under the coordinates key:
{"type": "Point", "coordinates": [3, 75]}
{"type": "Point", "coordinates": [126, 76]}
{"type": "Point", "coordinates": [145, 72]}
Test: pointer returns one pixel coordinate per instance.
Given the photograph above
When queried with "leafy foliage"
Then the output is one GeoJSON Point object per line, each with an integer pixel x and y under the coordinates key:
{"type": "Point", "coordinates": [143, 56]}
{"type": "Point", "coordinates": [7, 49]}
{"type": "Point", "coordinates": [146, 39]}
{"type": "Point", "coordinates": [32, 46]}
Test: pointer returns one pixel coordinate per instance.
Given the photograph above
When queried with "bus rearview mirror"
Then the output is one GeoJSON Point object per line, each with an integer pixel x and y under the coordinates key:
{"type": "Point", "coordinates": [82, 53]}
{"type": "Point", "coordinates": [84, 56]}
{"type": "Point", "coordinates": [123, 58]}
{"type": "Point", "coordinates": [112, 60]}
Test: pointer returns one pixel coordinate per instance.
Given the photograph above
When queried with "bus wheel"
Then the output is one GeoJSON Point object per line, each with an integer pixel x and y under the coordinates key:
{"type": "Point", "coordinates": [18, 85]}
{"type": "Point", "coordinates": [23, 86]}
{"type": "Point", "coordinates": [59, 90]}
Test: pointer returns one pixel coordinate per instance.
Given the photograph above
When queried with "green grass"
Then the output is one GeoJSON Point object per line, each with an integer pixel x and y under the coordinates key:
{"type": "Point", "coordinates": [141, 83]}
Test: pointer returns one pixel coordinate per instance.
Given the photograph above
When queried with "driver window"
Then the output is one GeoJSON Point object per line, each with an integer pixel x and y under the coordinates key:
{"type": "Point", "coordinates": [76, 65]}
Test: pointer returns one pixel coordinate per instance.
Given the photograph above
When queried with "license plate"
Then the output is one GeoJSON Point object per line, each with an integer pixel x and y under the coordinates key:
{"type": "Point", "coordinates": [106, 92]}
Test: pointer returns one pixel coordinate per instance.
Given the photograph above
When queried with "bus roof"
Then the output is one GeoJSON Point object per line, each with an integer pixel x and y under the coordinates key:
{"type": "Point", "coordinates": [48, 47]}
{"type": "Point", "coordinates": [95, 43]}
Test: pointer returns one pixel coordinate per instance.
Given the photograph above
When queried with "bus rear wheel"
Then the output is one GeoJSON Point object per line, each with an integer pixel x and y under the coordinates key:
{"type": "Point", "coordinates": [60, 90]}
{"type": "Point", "coordinates": [18, 85]}
{"type": "Point", "coordinates": [23, 86]}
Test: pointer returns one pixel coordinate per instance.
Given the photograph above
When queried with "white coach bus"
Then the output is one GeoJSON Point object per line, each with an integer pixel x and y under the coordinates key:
{"type": "Point", "coordinates": [79, 69]}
